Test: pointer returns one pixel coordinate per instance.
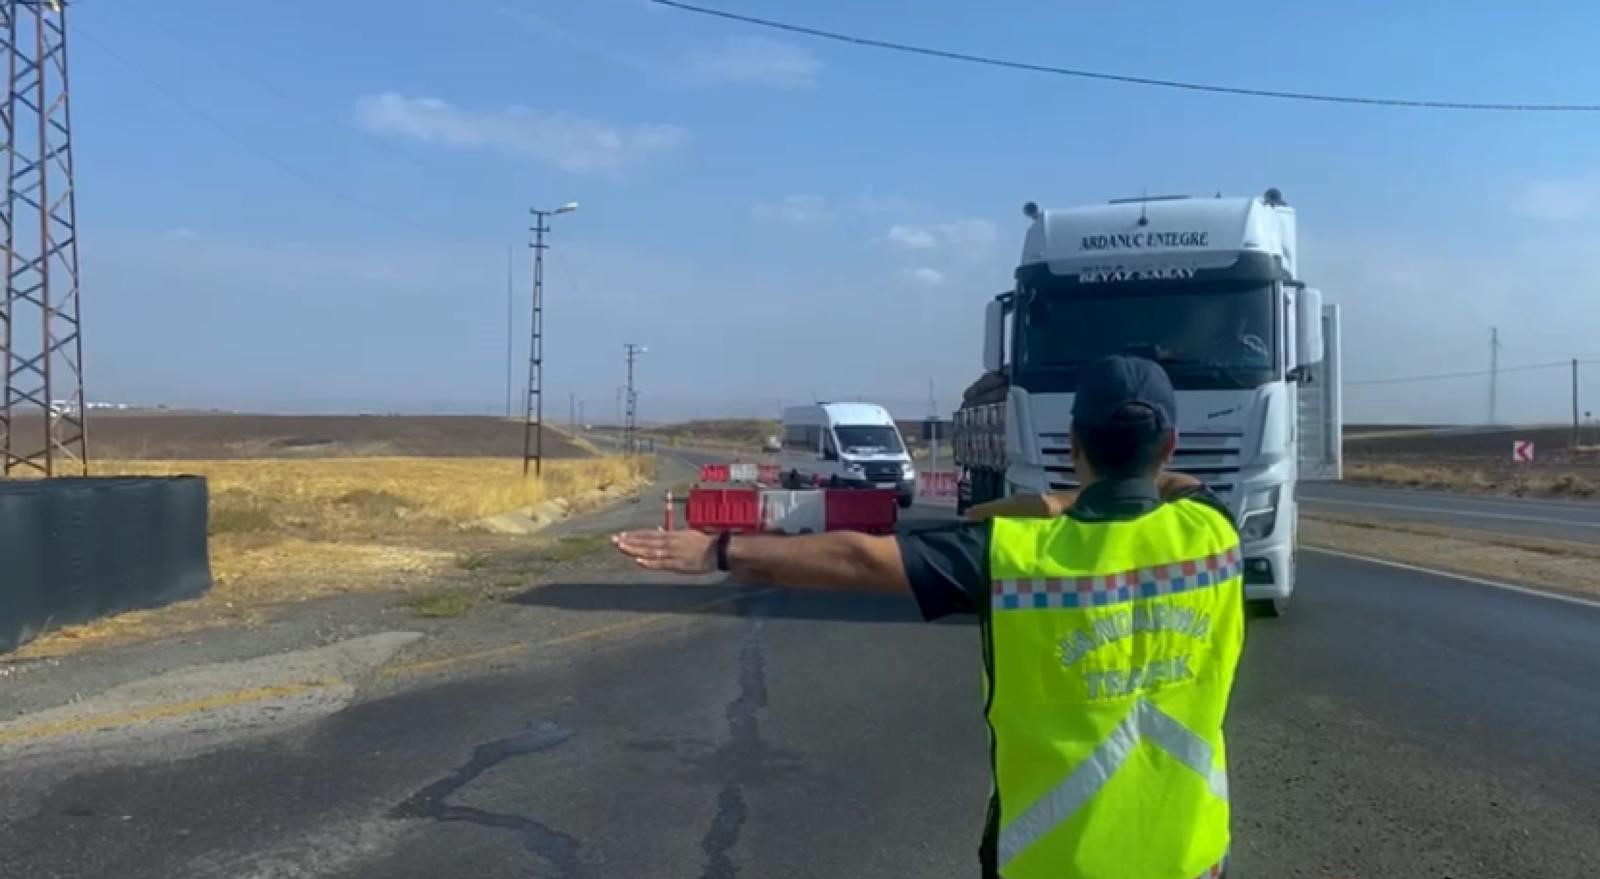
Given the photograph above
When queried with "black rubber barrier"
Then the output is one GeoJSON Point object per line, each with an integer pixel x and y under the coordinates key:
{"type": "Point", "coordinates": [72, 550]}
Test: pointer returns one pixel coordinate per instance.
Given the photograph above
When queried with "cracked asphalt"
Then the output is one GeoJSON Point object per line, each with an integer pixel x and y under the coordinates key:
{"type": "Point", "coordinates": [1395, 724]}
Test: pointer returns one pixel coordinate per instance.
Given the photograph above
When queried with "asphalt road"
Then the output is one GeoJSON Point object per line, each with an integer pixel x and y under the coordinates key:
{"type": "Point", "coordinates": [1563, 520]}
{"type": "Point", "coordinates": [1395, 724]}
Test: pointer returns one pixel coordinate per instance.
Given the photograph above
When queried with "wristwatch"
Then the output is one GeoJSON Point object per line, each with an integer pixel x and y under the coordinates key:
{"type": "Point", "coordinates": [723, 540]}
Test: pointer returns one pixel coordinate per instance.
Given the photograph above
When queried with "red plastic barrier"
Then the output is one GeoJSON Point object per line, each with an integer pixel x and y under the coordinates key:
{"type": "Point", "coordinates": [714, 473]}
{"type": "Point", "coordinates": [724, 509]}
{"type": "Point", "coordinates": [767, 474]}
{"type": "Point", "coordinates": [870, 510]}
{"type": "Point", "coordinates": [937, 483]}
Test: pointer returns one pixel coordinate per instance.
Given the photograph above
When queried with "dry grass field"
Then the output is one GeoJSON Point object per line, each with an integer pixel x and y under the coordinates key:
{"type": "Point", "coordinates": [284, 530]}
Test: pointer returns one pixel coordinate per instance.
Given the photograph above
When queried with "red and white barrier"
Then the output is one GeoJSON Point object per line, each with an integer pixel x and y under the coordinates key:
{"type": "Point", "coordinates": [739, 474]}
{"type": "Point", "coordinates": [785, 511]}
{"type": "Point", "coordinates": [937, 485]}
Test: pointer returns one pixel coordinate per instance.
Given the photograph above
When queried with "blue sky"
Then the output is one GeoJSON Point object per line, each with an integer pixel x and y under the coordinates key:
{"type": "Point", "coordinates": [306, 205]}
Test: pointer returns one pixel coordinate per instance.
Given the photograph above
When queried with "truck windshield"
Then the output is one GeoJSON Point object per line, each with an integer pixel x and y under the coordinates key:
{"type": "Point", "coordinates": [868, 439]}
{"type": "Point", "coordinates": [1208, 334]}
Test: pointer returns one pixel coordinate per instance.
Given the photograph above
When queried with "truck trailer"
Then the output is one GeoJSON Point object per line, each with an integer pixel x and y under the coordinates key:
{"type": "Point", "coordinates": [1210, 289]}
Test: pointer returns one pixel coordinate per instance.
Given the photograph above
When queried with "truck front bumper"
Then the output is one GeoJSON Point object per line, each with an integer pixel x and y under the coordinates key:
{"type": "Point", "coordinates": [1268, 570]}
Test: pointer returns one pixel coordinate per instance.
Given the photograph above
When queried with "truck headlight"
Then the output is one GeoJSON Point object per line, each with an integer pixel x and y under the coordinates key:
{"type": "Point", "coordinates": [907, 469]}
{"type": "Point", "coordinates": [854, 469]}
{"type": "Point", "coordinates": [1260, 514]}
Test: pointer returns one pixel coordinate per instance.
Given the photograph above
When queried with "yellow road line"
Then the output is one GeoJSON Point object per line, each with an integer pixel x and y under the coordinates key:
{"type": "Point", "coordinates": [150, 713]}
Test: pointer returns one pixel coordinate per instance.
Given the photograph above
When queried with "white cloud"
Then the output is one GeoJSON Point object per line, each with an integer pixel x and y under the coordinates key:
{"type": "Point", "coordinates": [967, 239]}
{"type": "Point", "coordinates": [870, 201]}
{"type": "Point", "coordinates": [912, 237]}
{"type": "Point", "coordinates": [755, 61]}
{"type": "Point", "coordinates": [799, 210]}
{"type": "Point", "coordinates": [926, 276]}
{"type": "Point", "coordinates": [571, 143]}
{"type": "Point", "coordinates": [1557, 200]}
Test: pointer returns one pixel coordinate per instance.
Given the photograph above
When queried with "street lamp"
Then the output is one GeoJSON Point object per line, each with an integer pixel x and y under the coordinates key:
{"type": "Point", "coordinates": [533, 412]}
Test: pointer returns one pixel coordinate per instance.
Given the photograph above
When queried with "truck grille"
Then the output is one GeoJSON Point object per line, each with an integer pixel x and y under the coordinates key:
{"type": "Point", "coordinates": [1212, 458]}
{"type": "Point", "coordinates": [882, 472]}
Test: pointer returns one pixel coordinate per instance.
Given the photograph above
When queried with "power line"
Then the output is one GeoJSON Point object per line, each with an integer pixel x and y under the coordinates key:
{"type": "Point", "coordinates": [1402, 379]}
{"type": "Point", "coordinates": [1009, 64]}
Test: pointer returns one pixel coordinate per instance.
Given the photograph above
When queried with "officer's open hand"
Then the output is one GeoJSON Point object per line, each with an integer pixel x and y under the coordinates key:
{"type": "Point", "coordinates": [1171, 485]}
{"type": "Point", "coordinates": [678, 552]}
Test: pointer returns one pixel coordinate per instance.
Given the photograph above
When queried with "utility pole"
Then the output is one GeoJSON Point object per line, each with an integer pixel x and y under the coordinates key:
{"type": "Point", "coordinates": [41, 343]}
{"type": "Point", "coordinates": [933, 429]}
{"type": "Point", "coordinates": [1576, 441]}
{"type": "Point", "coordinates": [572, 410]}
{"type": "Point", "coordinates": [510, 321]}
{"type": "Point", "coordinates": [581, 420]}
{"type": "Point", "coordinates": [1494, 371]}
{"type": "Point", "coordinates": [533, 412]}
{"type": "Point", "coordinates": [631, 352]}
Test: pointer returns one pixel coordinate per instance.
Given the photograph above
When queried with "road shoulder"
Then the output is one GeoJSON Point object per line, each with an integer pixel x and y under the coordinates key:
{"type": "Point", "coordinates": [1561, 567]}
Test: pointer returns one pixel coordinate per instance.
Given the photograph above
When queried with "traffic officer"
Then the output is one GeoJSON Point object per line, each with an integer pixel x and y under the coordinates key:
{"type": "Point", "coordinates": [1110, 638]}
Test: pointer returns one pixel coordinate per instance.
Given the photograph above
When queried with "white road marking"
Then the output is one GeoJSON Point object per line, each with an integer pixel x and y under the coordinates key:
{"type": "Point", "coordinates": [1451, 575]}
{"type": "Point", "coordinates": [1514, 517]}
{"type": "Point", "coordinates": [1334, 491]}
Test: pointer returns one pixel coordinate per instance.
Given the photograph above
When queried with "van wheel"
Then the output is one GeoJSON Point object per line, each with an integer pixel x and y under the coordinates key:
{"type": "Point", "coordinates": [905, 501]}
{"type": "Point", "coordinates": [833, 482]}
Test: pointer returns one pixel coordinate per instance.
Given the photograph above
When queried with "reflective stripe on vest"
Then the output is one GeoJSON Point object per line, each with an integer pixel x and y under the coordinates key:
{"type": "Point", "coordinates": [1113, 651]}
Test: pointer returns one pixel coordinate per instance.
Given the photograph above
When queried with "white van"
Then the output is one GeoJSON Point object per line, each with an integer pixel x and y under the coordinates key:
{"type": "Point", "coordinates": [846, 444]}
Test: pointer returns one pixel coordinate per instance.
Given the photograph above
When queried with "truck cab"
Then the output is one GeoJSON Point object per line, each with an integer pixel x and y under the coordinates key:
{"type": "Point", "coordinates": [1207, 287]}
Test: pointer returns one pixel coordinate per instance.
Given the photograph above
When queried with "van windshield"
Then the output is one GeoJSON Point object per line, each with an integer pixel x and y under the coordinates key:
{"type": "Point", "coordinates": [868, 439]}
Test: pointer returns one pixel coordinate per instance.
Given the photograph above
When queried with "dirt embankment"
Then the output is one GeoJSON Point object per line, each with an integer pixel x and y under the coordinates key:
{"type": "Point", "coordinates": [1478, 461]}
{"type": "Point", "coordinates": [186, 436]}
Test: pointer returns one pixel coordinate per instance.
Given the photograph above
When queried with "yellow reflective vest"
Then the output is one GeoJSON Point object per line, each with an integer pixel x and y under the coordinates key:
{"type": "Point", "coordinates": [1110, 649]}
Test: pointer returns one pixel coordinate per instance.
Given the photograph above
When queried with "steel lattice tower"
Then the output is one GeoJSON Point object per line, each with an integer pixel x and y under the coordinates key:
{"type": "Point", "coordinates": [41, 346]}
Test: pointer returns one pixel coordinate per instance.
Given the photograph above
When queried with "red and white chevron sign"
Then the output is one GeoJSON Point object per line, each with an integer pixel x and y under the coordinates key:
{"type": "Point", "coordinates": [1522, 451]}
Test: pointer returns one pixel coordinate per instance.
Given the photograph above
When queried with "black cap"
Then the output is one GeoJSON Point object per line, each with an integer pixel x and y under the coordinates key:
{"type": "Point", "coordinates": [1108, 385]}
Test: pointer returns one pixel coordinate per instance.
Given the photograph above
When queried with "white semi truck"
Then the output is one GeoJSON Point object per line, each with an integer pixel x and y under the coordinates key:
{"type": "Point", "coordinates": [1210, 289]}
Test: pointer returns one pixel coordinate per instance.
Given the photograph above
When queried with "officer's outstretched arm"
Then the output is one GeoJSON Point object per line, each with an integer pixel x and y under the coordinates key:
{"type": "Point", "coordinates": [837, 560]}
{"type": "Point", "coordinates": [1024, 506]}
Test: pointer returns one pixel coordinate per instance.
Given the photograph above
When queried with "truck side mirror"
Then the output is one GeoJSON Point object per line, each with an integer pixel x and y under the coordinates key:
{"type": "Point", "coordinates": [1308, 327]}
{"type": "Point", "coordinates": [994, 334]}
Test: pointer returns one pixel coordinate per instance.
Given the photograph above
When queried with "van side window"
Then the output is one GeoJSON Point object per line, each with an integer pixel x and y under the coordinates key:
{"type": "Point", "coordinates": [828, 451]}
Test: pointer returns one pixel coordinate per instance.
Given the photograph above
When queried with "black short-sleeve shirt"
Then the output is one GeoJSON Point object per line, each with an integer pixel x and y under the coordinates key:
{"type": "Point", "coordinates": [947, 565]}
